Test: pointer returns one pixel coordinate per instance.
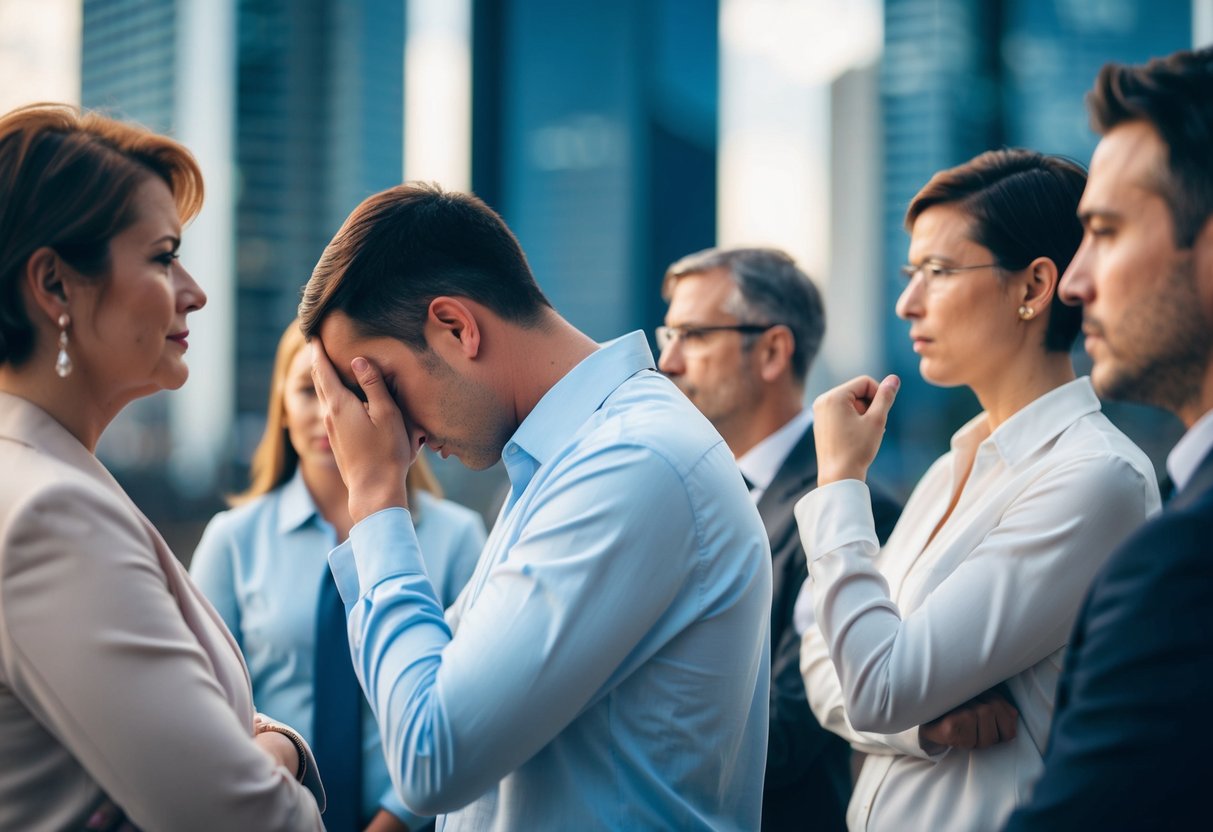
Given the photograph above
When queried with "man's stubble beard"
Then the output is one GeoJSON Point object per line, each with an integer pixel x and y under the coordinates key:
{"type": "Point", "coordinates": [1162, 358]}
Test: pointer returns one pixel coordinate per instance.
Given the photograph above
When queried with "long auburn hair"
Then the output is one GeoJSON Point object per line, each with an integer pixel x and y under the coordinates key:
{"type": "Point", "coordinates": [275, 460]}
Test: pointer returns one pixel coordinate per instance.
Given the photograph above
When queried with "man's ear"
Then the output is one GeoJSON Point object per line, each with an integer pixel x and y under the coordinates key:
{"type": "Point", "coordinates": [774, 349]}
{"type": "Point", "coordinates": [451, 325]}
{"type": "Point", "coordinates": [1203, 265]}
{"type": "Point", "coordinates": [45, 284]}
{"type": "Point", "coordinates": [1040, 285]}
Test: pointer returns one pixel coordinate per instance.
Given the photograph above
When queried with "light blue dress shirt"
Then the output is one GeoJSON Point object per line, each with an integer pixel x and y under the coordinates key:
{"type": "Point", "coordinates": [607, 666]}
{"type": "Point", "coordinates": [261, 565]}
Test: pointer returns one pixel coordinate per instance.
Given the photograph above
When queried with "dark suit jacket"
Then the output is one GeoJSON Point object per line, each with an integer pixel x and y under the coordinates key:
{"type": "Point", "coordinates": [808, 779]}
{"type": "Point", "coordinates": [1127, 748]}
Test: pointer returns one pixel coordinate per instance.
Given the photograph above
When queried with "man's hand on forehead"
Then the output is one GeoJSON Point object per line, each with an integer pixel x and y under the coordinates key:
{"type": "Point", "coordinates": [370, 442]}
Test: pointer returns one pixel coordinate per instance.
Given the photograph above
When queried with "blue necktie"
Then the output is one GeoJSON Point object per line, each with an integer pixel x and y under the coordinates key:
{"type": "Point", "coordinates": [337, 721]}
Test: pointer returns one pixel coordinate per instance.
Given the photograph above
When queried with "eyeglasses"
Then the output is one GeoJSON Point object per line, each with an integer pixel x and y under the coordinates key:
{"type": "Point", "coordinates": [933, 270]}
{"type": "Point", "coordinates": [667, 335]}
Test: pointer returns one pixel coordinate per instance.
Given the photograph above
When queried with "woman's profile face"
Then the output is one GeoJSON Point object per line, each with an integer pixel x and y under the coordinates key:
{"type": "Point", "coordinates": [128, 333]}
{"type": "Point", "coordinates": [304, 419]}
{"type": "Point", "coordinates": [963, 324]}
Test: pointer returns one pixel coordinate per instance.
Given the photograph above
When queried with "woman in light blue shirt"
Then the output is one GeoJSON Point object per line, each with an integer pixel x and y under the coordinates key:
{"type": "Point", "coordinates": [264, 565]}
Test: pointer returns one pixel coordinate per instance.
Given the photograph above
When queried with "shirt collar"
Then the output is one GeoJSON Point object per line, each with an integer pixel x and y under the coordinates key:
{"type": "Point", "coordinates": [762, 462]}
{"type": "Point", "coordinates": [295, 504]}
{"type": "Point", "coordinates": [1190, 451]}
{"type": "Point", "coordinates": [1033, 426]}
{"type": "Point", "coordinates": [566, 406]}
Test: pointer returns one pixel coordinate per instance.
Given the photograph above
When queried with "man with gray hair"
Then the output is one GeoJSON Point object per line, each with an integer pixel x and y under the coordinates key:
{"type": "Point", "coordinates": [742, 329]}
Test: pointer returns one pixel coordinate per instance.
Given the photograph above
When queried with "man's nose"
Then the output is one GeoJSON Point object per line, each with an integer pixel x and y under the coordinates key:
{"type": "Point", "coordinates": [670, 360]}
{"type": "Point", "coordinates": [1075, 287]}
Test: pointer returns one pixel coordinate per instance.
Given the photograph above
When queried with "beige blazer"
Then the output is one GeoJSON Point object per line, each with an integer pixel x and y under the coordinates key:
{"type": "Point", "coordinates": [117, 677]}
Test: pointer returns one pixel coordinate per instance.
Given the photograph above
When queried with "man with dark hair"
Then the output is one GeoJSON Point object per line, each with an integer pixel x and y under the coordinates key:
{"type": "Point", "coordinates": [740, 334]}
{"type": "Point", "coordinates": [1124, 751]}
{"type": "Point", "coordinates": [607, 666]}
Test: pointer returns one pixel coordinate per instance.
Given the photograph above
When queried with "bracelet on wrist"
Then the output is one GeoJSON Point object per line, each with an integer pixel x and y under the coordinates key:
{"type": "Point", "coordinates": [296, 740]}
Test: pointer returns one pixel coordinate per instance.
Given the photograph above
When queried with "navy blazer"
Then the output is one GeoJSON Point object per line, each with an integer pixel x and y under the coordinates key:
{"type": "Point", "coordinates": [808, 778]}
{"type": "Point", "coordinates": [1127, 748]}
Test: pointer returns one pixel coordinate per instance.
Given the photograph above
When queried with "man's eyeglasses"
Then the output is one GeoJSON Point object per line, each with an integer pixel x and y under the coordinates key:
{"type": "Point", "coordinates": [933, 270]}
{"type": "Point", "coordinates": [667, 335]}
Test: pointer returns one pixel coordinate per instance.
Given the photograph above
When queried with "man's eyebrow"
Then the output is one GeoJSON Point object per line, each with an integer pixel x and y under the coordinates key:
{"type": "Point", "coordinates": [1089, 214]}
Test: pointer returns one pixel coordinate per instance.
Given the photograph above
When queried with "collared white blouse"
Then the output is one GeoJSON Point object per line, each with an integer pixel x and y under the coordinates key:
{"type": "Point", "coordinates": [910, 632]}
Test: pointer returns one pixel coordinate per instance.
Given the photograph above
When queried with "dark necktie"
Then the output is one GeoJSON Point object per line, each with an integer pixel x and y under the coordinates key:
{"type": "Point", "coordinates": [1166, 488]}
{"type": "Point", "coordinates": [337, 721]}
{"type": "Point", "coordinates": [749, 485]}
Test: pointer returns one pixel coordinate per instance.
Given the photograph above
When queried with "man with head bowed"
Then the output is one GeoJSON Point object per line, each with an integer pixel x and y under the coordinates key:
{"type": "Point", "coordinates": [607, 666]}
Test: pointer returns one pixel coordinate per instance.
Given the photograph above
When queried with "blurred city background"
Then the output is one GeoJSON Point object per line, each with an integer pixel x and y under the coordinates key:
{"type": "Point", "coordinates": [613, 137]}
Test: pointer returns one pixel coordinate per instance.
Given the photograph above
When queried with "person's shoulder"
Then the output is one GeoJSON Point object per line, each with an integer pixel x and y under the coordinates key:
{"type": "Point", "coordinates": [38, 485]}
{"type": "Point", "coordinates": [52, 510]}
{"type": "Point", "coordinates": [1155, 591]}
{"type": "Point", "coordinates": [1160, 571]}
{"type": "Point", "coordinates": [240, 522]}
{"type": "Point", "coordinates": [1100, 465]}
{"type": "Point", "coordinates": [1176, 542]}
{"type": "Point", "coordinates": [1095, 437]}
{"type": "Point", "coordinates": [649, 411]}
{"type": "Point", "coordinates": [29, 470]}
{"type": "Point", "coordinates": [247, 513]}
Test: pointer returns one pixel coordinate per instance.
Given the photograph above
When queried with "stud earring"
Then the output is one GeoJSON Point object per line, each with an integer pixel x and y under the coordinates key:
{"type": "Point", "coordinates": [1026, 313]}
{"type": "Point", "coordinates": [63, 362]}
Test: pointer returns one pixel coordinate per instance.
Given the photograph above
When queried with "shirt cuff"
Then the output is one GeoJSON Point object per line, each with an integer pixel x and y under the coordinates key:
{"type": "Point", "coordinates": [380, 546]}
{"type": "Point", "coordinates": [835, 515]}
{"type": "Point", "coordinates": [907, 743]}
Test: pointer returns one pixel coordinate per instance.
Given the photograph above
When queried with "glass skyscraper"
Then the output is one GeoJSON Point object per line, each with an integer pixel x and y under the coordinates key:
{"type": "Point", "coordinates": [316, 126]}
{"type": "Point", "coordinates": [963, 76]}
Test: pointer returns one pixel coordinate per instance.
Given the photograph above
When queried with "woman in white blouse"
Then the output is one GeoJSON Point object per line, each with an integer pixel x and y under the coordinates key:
{"type": "Point", "coordinates": [938, 655]}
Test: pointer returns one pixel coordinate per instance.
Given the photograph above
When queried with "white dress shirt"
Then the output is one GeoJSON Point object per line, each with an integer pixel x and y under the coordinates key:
{"type": "Point", "coordinates": [1190, 451]}
{"type": "Point", "coordinates": [925, 625]}
{"type": "Point", "coordinates": [761, 463]}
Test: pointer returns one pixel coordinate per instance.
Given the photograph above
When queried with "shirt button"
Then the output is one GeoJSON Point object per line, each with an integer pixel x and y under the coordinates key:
{"type": "Point", "coordinates": [512, 450]}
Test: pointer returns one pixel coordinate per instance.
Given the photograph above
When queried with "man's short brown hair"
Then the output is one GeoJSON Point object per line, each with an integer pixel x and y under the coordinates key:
{"type": "Point", "coordinates": [1175, 95]}
{"type": "Point", "coordinates": [405, 246]}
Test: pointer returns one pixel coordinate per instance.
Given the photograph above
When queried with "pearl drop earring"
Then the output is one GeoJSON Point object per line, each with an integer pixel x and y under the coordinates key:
{"type": "Point", "coordinates": [63, 362]}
